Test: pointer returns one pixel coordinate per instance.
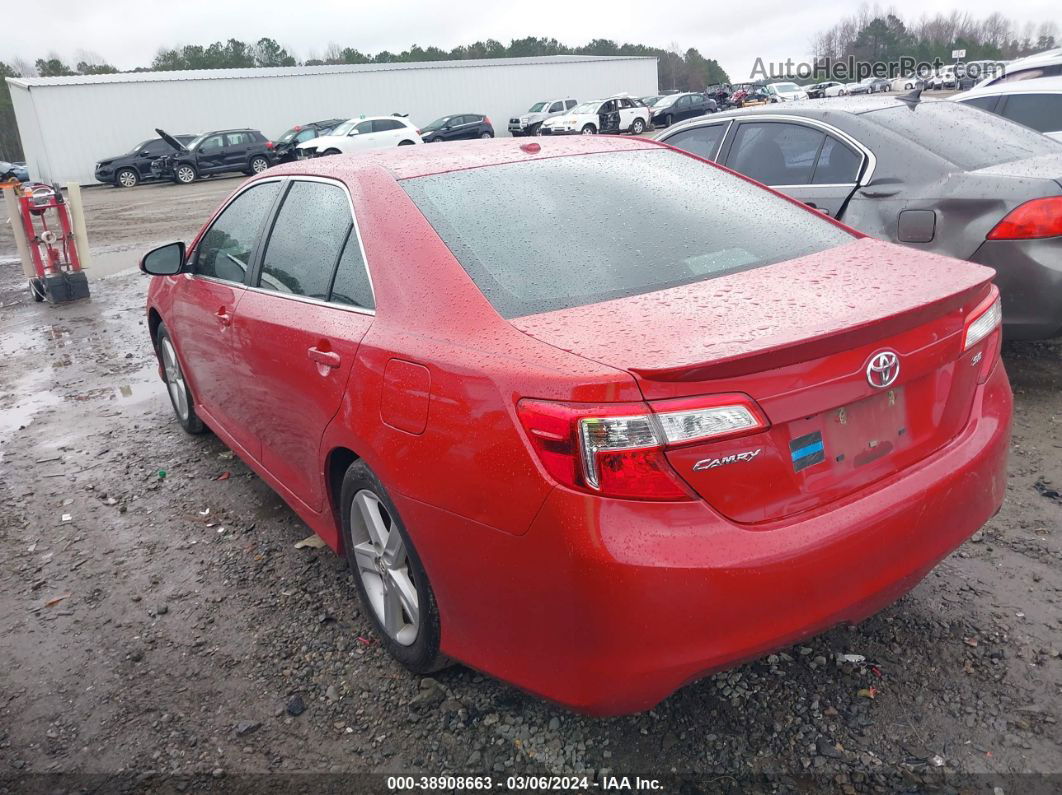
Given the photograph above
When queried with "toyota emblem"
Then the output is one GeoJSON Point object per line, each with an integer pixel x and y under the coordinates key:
{"type": "Point", "coordinates": [883, 369]}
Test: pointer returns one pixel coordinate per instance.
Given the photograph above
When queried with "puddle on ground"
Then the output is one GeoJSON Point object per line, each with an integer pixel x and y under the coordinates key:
{"type": "Point", "coordinates": [135, 387]}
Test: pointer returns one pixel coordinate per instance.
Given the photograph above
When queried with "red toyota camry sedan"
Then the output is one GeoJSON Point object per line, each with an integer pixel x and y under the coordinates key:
{"type": "Point", "coordinates": [593, 438]}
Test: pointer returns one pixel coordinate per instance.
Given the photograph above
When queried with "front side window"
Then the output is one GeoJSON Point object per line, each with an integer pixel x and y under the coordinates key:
{"type": "Point", "coordinates": [701, 141]}
{"type": "Point", "coordinates": [306, 240]}
{"type": "Point", "coordinates": [775, 153]}
{"type": "Point", "coordinates": [1042, 112]}
{"type": "Point", "coordinates": [214, 142]}
{"type": "Point", "coordinates": [622, 241]}
{"type": "Point", "coordinates": [364, 127]}
{"type": "Point", "coordinates": [225, 250]}
{"type": "Point", "coordinates": [156, 147]}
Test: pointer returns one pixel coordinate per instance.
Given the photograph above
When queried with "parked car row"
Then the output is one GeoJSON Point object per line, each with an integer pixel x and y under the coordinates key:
{"type": "Point", "coordinates": [183, 158]}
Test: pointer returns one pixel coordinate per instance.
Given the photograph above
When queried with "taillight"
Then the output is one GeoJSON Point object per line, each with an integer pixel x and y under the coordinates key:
{"type": "Point", "coordinates": [617, 450]}
{"type": "Point", "coordinates": [269, 144]}
{"type": "Point", "coordinates": [1034, 219]}
{"type": "Point", "coordinates": [486, 120]}
{"type": "Point", "coordinates": [985, 322]}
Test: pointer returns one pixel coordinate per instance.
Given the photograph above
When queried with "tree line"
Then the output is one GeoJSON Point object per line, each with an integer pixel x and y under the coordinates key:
{"type": "Point", "coordinates": [682, 70]}
{"type": "Point", "coordinates": [875, 34]}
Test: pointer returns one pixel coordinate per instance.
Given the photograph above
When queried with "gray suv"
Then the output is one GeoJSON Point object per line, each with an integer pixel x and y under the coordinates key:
{"type": "Point", "coordinates": [528, 123]}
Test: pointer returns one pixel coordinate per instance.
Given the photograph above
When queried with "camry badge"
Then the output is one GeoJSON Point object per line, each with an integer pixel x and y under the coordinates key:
{"type": "Point", "coordinates": [883, 369]}
{"type": "Point", "coordinates": [712, 463]}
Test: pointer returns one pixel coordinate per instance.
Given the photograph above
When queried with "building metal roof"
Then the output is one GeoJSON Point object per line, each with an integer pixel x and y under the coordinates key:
{"type": "Point", "coordinates": [299, 71]}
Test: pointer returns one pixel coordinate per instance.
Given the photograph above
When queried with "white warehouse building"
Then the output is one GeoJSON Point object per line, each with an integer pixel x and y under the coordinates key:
{"type": "Point", "coordinates": [67, 124]}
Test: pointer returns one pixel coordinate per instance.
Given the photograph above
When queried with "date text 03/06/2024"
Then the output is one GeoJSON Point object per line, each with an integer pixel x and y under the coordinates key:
{"type": "Point", "coordinates": [605, 783]}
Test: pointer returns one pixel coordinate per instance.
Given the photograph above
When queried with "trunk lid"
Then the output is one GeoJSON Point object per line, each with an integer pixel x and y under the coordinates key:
{"type": "Point", "coordinates": [798, 337]}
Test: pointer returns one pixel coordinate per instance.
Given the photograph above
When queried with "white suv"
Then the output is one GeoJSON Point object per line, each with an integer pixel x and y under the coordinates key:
{"type": "Point", "coordinates": [361, 134]}
{"type": "Point", "coordinates": [586, 119]}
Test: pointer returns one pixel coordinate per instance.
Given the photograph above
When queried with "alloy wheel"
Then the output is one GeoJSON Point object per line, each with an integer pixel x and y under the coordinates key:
{"type": "Point", "coordinates": [127, 179]}
{"type": "Point", "coordinates": [174, 379]}
{"type": "Point", "coordinates": [383, 566]}
{"type": "Point", "coordinates": [185, 174]}
{"type": "Point", "coordinates": [258, 165]}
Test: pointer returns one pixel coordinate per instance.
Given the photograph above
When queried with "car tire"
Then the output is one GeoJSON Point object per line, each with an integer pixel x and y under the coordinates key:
{"type": "Point", "coordinates": [588, 129]}
{"type": "Point", "coordinates": [180, 393]}
{"type": "Point", "coordinates": [258, 164]}
{"type": "Point", "coordinates": [329, 152]}
{"type": "Point", "coordinates": [638, 126]}
{"type": "Point", "coordinates": [126, 178]}
{"type": "Point", "coordinates": [486, 135]}
{"type": "Point", "coordinates": [388, 573]}
{"type": "Point", "coordinates": [184, 174]}
{"type": "Point", "coordinates": [36, 290]}
{"type": "Point", "coordinates": [535, 129]}
{"type": "Point", "coordinates": [405, 143]}
{"type": "Point", "coordinates": [669, 120]}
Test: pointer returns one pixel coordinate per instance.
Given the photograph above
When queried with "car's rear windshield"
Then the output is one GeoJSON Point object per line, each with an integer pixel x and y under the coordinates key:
{"type": "Point", "coordinates": [967, 137]}
{"type": "Point", "coordinates": [588, 228]}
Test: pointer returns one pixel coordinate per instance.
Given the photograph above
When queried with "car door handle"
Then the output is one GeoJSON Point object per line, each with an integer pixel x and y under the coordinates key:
{"type": "Point", "coordinates": [327, 358]}
{"type": "Point", "coordinates": [223, 316]}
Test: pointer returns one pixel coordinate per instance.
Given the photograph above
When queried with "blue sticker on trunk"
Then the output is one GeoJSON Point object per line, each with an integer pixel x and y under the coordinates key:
{"type": "Point", "coordinates": [807, 450]}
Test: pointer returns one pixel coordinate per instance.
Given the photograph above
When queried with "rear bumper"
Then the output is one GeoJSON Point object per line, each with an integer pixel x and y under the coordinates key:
{"type": "Point", "coordinates": [1029, 277]}
{"type": "Point", "coordinates": [608, 606]}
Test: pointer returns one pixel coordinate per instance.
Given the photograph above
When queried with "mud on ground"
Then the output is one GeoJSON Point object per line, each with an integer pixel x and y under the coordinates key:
{"type": "Point", "coordinates": [157, 623]}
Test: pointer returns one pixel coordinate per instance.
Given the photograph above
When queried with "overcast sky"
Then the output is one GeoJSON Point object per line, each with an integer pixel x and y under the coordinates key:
{"type": "Point", "coordinates": [128, 33]}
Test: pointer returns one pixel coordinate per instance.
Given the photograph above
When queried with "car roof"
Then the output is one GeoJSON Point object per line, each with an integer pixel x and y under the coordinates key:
{"type": "Point", "coordinates": [1036, 85]}
{"type": "Point", "coordinates": [815, 108]}
{"type": "Point", "coordinates": [418, 161]}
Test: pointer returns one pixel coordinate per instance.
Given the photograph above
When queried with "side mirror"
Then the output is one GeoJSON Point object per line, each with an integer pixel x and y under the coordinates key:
{"type": "Point", "coordinates": [353, 132]}
{"type": "Point", "coordinates": [145, 154]}
{"type": "Point", "coordinates": [164, 261]}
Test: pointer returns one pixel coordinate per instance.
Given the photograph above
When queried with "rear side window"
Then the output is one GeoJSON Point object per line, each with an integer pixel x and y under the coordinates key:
{"type": "Point", "coordinates": [775, 153]}
{"type": "Point", "coordinates": [963, 136]}
{"type": "Point", "coordinates": [238, 139]}
{"type": "Point", "coordinates": [385, 125]}
{"type": "Point", "coordinates": [701, 141]}
{"type": "Point", "coordinates": [352, 287]}
{"type": "Point", "coordinates": [1042, 112]}
{"type": "Point", "coordinates": [838, 164]}
{"type": "Point", "coordinates": [225, 250]}
{"type": "Point", "coordinates": [570, 103]}
{"type": "Point", "coordinates": [536, 255]}
{"type": "Point", "coordinates": [306, 241]}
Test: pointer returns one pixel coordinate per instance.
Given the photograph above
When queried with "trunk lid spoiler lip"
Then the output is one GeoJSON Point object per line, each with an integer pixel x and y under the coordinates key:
{"type": "Point", "coordinates": [797, 351]}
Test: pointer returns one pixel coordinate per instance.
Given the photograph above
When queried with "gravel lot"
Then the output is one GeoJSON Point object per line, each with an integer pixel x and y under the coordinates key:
{"type": "Point", "coordinates": [160, 630]}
